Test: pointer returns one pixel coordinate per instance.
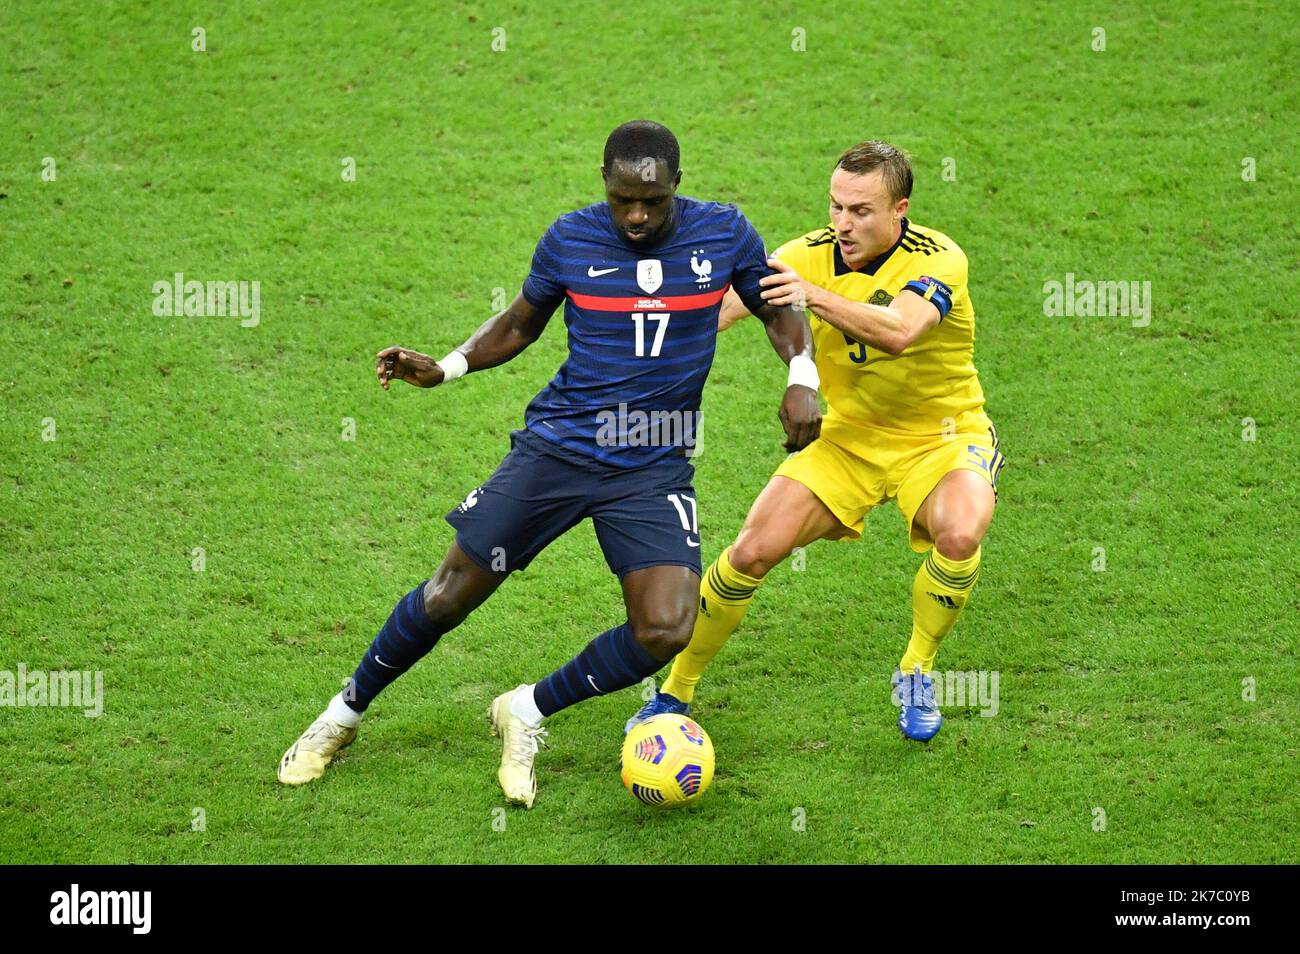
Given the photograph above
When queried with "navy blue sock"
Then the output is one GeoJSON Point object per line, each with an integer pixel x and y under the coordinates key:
{"type": "Point", "coordinates": [612, 661]}
{"type": "Point", "coordinates": [405, 638]}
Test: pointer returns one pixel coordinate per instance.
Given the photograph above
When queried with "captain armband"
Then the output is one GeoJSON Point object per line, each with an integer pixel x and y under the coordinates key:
{"type": "Point", "coordinates": [933, 291]}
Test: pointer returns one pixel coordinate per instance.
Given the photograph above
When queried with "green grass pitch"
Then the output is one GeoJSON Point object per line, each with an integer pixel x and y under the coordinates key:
{"type": "Point", "coordinates": [1147, 710]}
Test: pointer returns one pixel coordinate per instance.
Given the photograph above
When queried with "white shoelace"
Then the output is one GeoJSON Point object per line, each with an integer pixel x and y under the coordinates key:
{"type": "Point", "coordinates": [332, 729]}
{"type": "Point", "coordinates": [526, 743]}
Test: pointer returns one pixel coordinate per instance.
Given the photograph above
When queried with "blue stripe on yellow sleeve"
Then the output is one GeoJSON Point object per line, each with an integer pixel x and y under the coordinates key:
{"type": "Point", "coordinates": [933, 291]}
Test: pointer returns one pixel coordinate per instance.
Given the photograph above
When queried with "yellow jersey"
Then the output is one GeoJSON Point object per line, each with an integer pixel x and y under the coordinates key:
{"type": "Point", "coordinates": [930, 386]}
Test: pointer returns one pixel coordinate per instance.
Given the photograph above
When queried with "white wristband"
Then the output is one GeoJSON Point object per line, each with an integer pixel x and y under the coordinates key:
{"type": "Point", "coordinates": [803, 371]}
{"type": "Point", "coordinates": [453, 366]}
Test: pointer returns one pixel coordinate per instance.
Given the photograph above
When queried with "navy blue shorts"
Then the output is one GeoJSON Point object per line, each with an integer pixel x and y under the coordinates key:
{"type": "Point", "coordinates": [644, 517]}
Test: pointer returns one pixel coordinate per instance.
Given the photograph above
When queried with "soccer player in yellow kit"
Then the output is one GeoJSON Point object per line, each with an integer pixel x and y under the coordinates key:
{"type": "Point", "coordinates": [894, 330]}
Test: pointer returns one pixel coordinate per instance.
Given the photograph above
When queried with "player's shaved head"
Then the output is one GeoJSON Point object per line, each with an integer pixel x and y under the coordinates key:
{"type": "Point", "coordinates": [642, 143]}
{"type": "Point", "coordinates": [874, 154]}
{"type": "Point", "coordinates": [641, 173]}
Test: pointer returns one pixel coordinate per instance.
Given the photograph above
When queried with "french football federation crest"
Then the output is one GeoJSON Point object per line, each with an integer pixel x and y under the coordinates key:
{"type": "Point", "coordinates": [649, 275]}
{"type": "Point", "coordinates": [703, 269]}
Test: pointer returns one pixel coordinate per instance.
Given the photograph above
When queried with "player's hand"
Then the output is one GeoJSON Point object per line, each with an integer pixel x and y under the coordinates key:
{"type": "Point", "coordinates": [406, 365]}
{"type": "Point", "coordinates": [801, 416]}
{"type": "Point", "coordinates": [786, 287]}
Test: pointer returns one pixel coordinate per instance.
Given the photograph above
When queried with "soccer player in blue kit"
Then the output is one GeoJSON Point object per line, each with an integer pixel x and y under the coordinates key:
{"type": "Point", "coordinates": [641, 276]}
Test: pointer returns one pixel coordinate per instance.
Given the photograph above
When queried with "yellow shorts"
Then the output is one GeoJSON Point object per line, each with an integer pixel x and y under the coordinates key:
{"type": "Point", "coordinates": [886, 464]}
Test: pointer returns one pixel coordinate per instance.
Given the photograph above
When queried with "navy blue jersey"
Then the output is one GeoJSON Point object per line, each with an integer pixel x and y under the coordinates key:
{"type": "Point", "coordinates": [642, 327]}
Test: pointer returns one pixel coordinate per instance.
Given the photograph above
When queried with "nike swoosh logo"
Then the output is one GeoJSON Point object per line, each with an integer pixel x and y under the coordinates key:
{"type": "Point", "coordinates": [593, 683]}
{"type": "Point", "coordinates": [384, 664]}
{"type": "Point", "coordinates": [594, 272]}
{"type": "Point", "coordinates": [692, 543]}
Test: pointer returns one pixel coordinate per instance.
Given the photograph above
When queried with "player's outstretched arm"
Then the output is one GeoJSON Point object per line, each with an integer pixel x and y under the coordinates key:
{"type": "Point", "coordinates": [801, 413]}
{"type": "Point", "coordinates": [497, 340]}
{"type": "Point", "coordinates": [891, 328]}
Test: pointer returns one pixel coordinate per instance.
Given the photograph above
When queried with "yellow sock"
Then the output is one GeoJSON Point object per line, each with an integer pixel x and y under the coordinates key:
{"type": "Point", "coordinates": [725, 595]}
{"type": "Point", "coordinates": [939, 595]}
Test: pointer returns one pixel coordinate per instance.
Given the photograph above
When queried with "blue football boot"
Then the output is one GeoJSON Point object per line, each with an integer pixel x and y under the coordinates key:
{"type": "Point", "coordinates": [918, 716]}
{"type": "Point", "coordinates": [660, 704]}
